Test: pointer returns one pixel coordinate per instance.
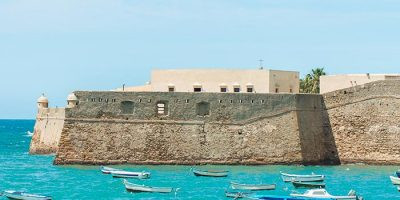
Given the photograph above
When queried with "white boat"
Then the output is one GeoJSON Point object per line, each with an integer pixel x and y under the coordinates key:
{"type": "Point", "coordinates": [212, 173]}
{"type": "Point", "coordinates": [127, 174]}
{"type": "Point", "coordinates": [108, 170]}
{"type": "Point", "coordinates": [239, 186]}
{"type": "Point", "coordinates": [236, 195]}
{"type": "Point", "coordinates": [143, 188]}
{"type": "Point", "coordinates": [24, 196]}
{"type": "Point", "coordinates": [323, 194]}
{"type": "Point", "coordinates": [395, 180]}
{"type": "Point", "coordinates": [302, 178]}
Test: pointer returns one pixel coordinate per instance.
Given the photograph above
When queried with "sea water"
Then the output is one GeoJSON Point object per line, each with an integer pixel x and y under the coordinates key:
{"type": "Point", "coordinates": [37, 174]}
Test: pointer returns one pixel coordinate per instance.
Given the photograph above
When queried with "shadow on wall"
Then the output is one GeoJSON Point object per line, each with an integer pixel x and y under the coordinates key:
{"type": "Point", "coordinates": [316, 137]}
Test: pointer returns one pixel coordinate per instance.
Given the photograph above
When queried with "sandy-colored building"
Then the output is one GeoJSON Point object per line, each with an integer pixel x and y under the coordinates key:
{"type": "Point", "coordinates": [221, 80]}
{"type": "Point", "coordinates": [329, 83]}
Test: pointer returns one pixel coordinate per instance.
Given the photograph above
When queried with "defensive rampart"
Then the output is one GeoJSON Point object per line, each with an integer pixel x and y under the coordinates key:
{"type": "Point", "coordinates": [365, 122]}
{"type": "Point", "coordinates": [353, 125]}
{"type": "Point", "coordinates": [47, 130]}
{"type": "Point", "coordinates": [194, 128]}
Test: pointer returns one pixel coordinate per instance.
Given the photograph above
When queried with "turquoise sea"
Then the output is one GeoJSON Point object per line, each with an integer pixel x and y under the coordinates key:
{"type": "Point", "coordinates": [36, 174]}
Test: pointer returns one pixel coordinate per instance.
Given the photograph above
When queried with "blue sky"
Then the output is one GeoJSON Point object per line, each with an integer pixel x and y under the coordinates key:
{"type": "Point", "coordinates": [58, 46]}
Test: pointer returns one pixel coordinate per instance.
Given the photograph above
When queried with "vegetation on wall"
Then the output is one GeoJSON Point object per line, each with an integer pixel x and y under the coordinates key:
{"type": "Point", "coordinates": [310, 83]}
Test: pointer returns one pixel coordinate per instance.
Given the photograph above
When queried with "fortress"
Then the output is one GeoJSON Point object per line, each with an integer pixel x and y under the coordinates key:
{"type": "Point", "coordinates": [352, 125]}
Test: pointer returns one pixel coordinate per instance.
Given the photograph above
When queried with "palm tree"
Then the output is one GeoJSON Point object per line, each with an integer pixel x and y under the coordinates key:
{"type": "Point", "coordinates": [310, 83]}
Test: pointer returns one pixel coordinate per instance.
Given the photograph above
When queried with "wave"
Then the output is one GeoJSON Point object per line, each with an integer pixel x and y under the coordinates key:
{"type": "Point", "coordinates": [29, 134]}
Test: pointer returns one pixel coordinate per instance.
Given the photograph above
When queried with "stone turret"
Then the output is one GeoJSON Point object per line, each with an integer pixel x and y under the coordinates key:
{"type": "Point", "coordinates": [72, 100]}
{"type": "Point", "coordinates": [42, 102]}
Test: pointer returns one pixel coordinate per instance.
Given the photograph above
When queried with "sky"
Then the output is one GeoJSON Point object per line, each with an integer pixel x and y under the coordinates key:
{"type": "Point", "coordinates": [59, 46]}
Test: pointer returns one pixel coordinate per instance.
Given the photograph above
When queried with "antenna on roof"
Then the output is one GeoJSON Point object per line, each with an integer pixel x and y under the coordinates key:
{"type": "Point", "coordinates": [261, 63]}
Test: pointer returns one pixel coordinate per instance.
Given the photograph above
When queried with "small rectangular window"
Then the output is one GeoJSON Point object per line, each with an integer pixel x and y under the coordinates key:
{"type": "Point", "coordinates": [197, 89]}
{"type": "Point", "coordinates": [223, 89]}
{"type": "Point", "coordinates": [262, 101]}
{"type": "Point", "coordinates": [171, 89]}
{"type": "Point", "coordinates": [220, 101]}
{"type": "Point", "coordinates": [187, 101]}
{"type": "Point", "coordinates": [100, 99]}
{"type": "Point", "coordinates": [240, 101]}
{"type": "Point", "coordinates": [276, 90]}
{"type": "Point", "coordinates": [291, 90]}
{"type": "Point", "coordinates": [236, 89]}
{"type": "Point", "coordinates": [93, 99]}
{"type": "Point", "coordinates": [113, 100]}
{"type": "Point", "coordinates": [249, 89]}
{"type": "Point", "coordinates": [106, 100]}
{"type": "Point", "coordinates": [140, 100]}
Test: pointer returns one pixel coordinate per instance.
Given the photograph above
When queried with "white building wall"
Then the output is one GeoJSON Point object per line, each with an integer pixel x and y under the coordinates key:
{"type": "Point", "coordinates": [331, 83]}
{"type": "Point", "coordinates": [211, 80]}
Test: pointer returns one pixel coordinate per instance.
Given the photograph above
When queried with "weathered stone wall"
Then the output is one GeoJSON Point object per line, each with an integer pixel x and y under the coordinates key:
{"type": "Point", "coordinates": [365, 122]}
{"type": "Point", "coordinates": [47, 130]}
{"type": "Point", "coordinates": [239, 129]}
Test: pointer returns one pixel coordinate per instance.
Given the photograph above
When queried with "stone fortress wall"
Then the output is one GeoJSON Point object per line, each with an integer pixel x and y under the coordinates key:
{"type": "Point", "coordinates": [365, 122]}
{"type": "Point", "coordinates": [217, 128]}
{"type": "Point", "coordinates": [47, 130]}
{"type": "Point", "coordinates": [358, 124]}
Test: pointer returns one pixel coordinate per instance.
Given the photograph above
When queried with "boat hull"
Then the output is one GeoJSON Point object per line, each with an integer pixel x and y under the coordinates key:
{"type": "Point", "coordinates": [297, 184]}
{"type": "Point", "coordinates": [395, 180]}
{"type": "Point", "coordinates": [142, 188]}
{"type": "Point", "coordinates": [302, 178]}
{"type": "Point", "coordinates": [108, 170]}
{"type": "Point", "coordinates": [24, 196]}
{"type": "Point", "coordinates": [238, 186]}
{"type": "Point", "coordinates": [210, 173]}
{"type": "Point", "coordinates": [126, 174]}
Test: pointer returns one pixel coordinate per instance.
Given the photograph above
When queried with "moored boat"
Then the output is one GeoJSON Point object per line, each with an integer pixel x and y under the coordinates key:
{"type": "Point", "coordinates": [299, 184]}
{"type": "Point", "coordinates": [239, 186]}
{"type": "Point", "coordinates": [281, 197]}
{"type": "Point", "coordinates": [236, 195]}
{"type": "Point", "coordinates": [323, 194]}
{"type": "Point", "coordinates": [398, 173]}
{"type": "Point", "coordinates": [108, 170]}
{"type": "Point", "coordinates": [143, 188]}
{"type": "Point", "coordinates": [128, 174]}
{"type": "Point", "coordinates": [303, 178]}
{"type": "Point", "coordinates": [395, 180]}
{"type": "Point", "coordinates": [398, 188]}
{"type": "Point", "coordinates": [212, 173]}
{"type": "Point", "coordinates": [24, 196]}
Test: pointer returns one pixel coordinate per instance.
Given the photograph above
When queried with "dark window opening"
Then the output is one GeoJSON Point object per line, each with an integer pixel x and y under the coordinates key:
{"type": "Point", "coordinates": [171, 89]}
{"type": "Point", "coordinates": [197, 89]}
{"type": "Point", "coordinates": [249, 89]}
{"type": "Point", "coordinates": [127, 107]}
{"type": "Point", "coordinates": [224, 89]}
{"type": "Point", "coordinates": [93, 99]}
{"type": "Point", "coordinates": [276, 90]}
{"type": "Point", "coordinates": [187, 101]}
{"type": "Point", "coordinates": [203, 109]}
{"type": "Point", "coordinates": [291, 90]}
{"type": "Point", "coordinates": [236, 89]}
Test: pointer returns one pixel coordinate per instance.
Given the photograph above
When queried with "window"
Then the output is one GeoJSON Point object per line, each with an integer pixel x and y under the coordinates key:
{"type": "Point", "coordinates": [171, 89]}
{"type": "Point", "coordinates": [113, 100]}
{"type": "Point", "coordinates": [276, 90]}
{"type": "Point", "coordinates": [203, 109]}
{"type": "Point", "coordinates": [106, 100]}
{"type": "Point", "coordinates": [162, 108]}
{"type": "Point", "coordinates": [249, 89]}
{"type": "Point", "coordinates": [100, 99]}
{"type": "Point", "coordinates": [197, 89]}
{"type": "Point", "coordinates": [291, 90]}
{"type": "Point", "coordinates": [187, 101]}
{"type": "Point", "coordinates": [224, 89]}
{"type": "Point", "coordinates": [93, 99]}
{"type": "Point", "coordinates": [127, 107]}
{"type": "Point", "coordinates": [219, 101]}
{"type": "Point", "coordinates": [236, 89]}
{"type": "Point", "coordinates": [240, 101]}
{"type": "Point", "coordinates": [262, 101]}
